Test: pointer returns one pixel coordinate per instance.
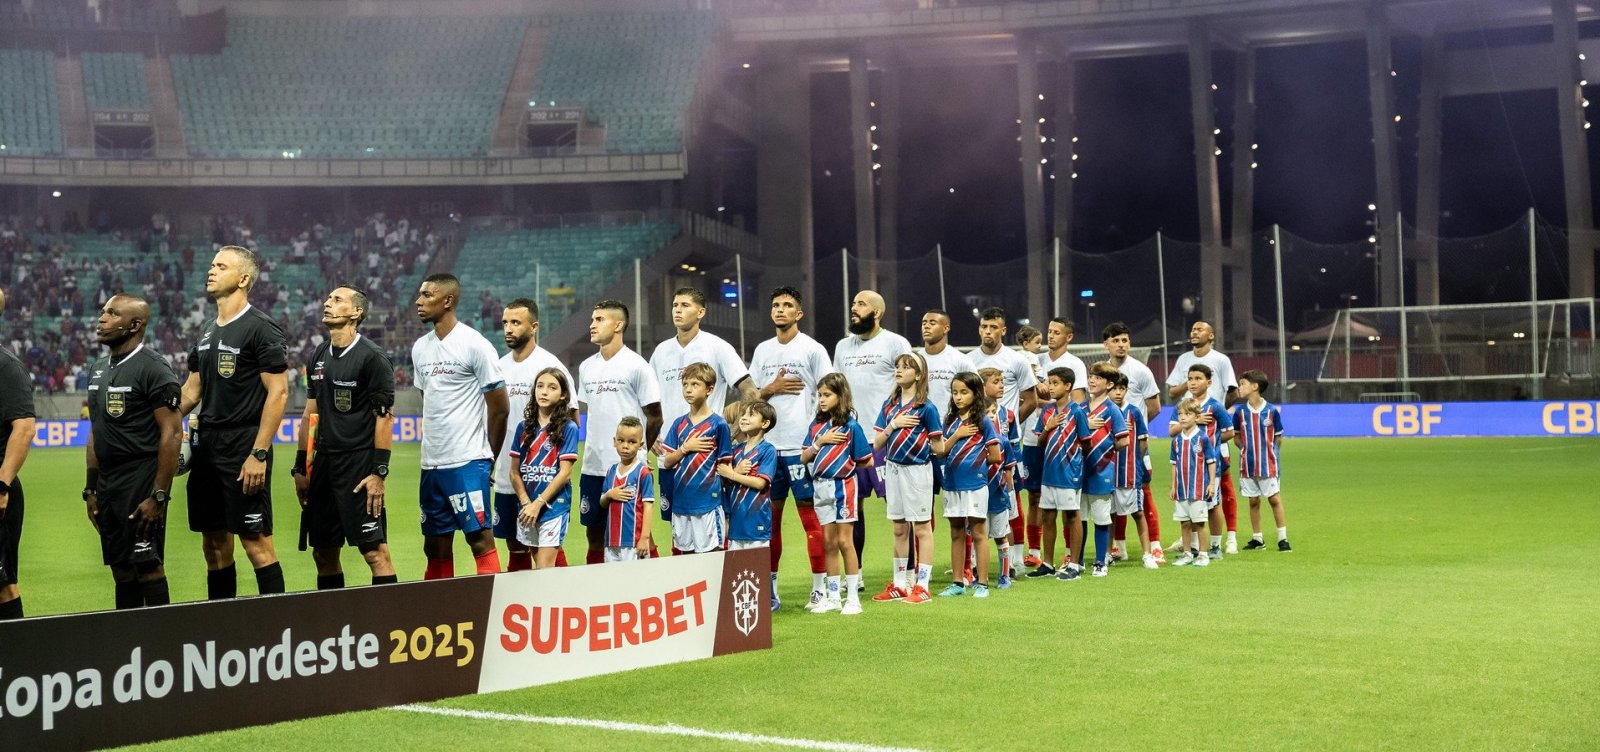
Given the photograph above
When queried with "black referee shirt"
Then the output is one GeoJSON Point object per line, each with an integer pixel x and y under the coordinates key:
{"type": "Point", "coordinates": [352, 386]}
{"type": "Point", "coordinates": [16, 395]}
{"type": "Point", "coordinates": [124, 392]}
{"type": "Point", "coordinates": [230, 360]}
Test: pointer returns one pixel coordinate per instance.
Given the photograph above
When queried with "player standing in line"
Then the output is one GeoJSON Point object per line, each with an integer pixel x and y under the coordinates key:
{"type": "Point", "coordinates": [691, 345]}
{"type": "Point", "coordinates": [523, 362]}
{"type": "Point", "coordinates": [1224, 389]}
{"type": "Point", "coordinates": [132, 455]}
{"type": "Point", "coordinates": [970, 447]}
{"type": "Point", "coordinates": [349, 397]}
{"type": "Point", "coordinates": [867, 360]}
{"type": "Point", "coordinates": [1144, 396]}
{"type": "Point", "coordinates": [464, 404]}
{"type": "Point", "coordinates": [630, 487]}
{"type": "Point", "coordinates": [1019, 396]}
{"type": "Point", "coordinates": [1258, 427]}
{"type": "Point", "coordinates": [544, 448]}
{"type": "Point", "coordinates": [788, 368]}
{"type": "Point", "coordinates": [16, 435]}
{"type": "Point", "coordinates": [1108, 433]}
{"type": "Point", "coordinates": [944, 362]}
{"type": "Point", "coordinates": [1059, 333]}
{"type": "Point", "coordinates": [237, 378]}
{"type": "Point", "coordinates": [1003, 507]}
{"type": "Point", "coordinates": [1062, 427]}
{"type": "Point", "coordinates": [692, 448]}
{"type": "Point", "coordinates": [1194, 479]}
{"type": "Point", "coordinates": [613, 383]}
{"type": "Point", "coordinates": [1132, 474]}
{"type": "Point", "coordinates": [906, 428]}
{"type": "Point", "coordinates": [749, 474]}
{"type": "Point", "coordinates": [1215, 422]}
{"type": "Point", "coordinates": [834, 447]}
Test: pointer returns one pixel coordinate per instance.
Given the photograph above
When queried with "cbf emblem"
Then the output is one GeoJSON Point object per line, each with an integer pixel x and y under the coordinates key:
{"type": "Point", "coordinates": [226, 362]}
{"type": "Point", "coordinates": [746, 601]}
{"type": "Point", "coordinates": [342, 400]}
{"type": "Point", "coordinates": [115, 404]}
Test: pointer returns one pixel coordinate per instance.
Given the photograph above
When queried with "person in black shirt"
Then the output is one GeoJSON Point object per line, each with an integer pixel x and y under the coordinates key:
{"type": "Point", "coordinates": [134, 435]}
{"type": "Point", "coordinates": [237, 377]}
{"type": "Point", "coordinates": [341, 492]}
{"type": "Point", "coordinates": [16, 436]}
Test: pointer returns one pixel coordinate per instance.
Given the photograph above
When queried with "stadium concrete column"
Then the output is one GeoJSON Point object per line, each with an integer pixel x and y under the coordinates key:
{"type": "Point", "coordinates": [1385, 148]}
{"type": "Point", "coordinates": [1424, 248]}
{"type": "Point", "coordinates": [1066, 130]}
{"type": "Point", "coordinates": [1574, 151]}
{"type": "Point", "coordinates": [1203, 116]}
{"type": "Point", "coordinates": [1241, 238]}
{"type": "Point", "coordinates": [1032, 179]}
{"type": "Point", "coordinates": [887, 137]}
{"type": "Point", "coordinates": [783, 167]}
{"type": "Point", "coordinates": [861, 150]}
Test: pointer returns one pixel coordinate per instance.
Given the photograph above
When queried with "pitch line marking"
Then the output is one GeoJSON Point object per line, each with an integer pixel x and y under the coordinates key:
{"type": "Point", "coordinates": [667, 729]}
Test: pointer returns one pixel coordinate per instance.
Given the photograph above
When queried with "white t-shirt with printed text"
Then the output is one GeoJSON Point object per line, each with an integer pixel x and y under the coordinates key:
{"type": "Point", "coordinates": [519, 391]}
{"type": "Point", "coordinates": [803, 358]}
{"type": "Point", "coordinates": [868, 364]}
{"type": "Point", "coordinates": [454, 373]}
{"type": "Point", "coordinates": [1222, 377]}
{"type": "Point", "coordinates": [1016, 371]}
{"type": "Point", "coordinates": [611, 389]}
{"type": "Point", "coordinates": [669, 358]}
{"type": "Point", "coordinates": [942, 369]}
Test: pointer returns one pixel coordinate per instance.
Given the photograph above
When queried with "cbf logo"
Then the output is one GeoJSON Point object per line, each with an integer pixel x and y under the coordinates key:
{"type": "Point", "coordinates": [746, 601]}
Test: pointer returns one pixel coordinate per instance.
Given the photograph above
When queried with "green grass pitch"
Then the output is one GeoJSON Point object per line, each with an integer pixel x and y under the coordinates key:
{"type": "Point", "coordinates": [1439, 596]}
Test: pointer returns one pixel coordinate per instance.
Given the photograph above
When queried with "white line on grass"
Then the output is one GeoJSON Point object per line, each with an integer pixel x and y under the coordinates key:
{"type": "Point", "coordinates": [666, 729]}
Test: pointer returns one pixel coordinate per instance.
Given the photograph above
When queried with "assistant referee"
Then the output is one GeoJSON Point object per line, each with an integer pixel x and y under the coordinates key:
{"type": "Point", "coordinates": [237, 377]}
{"type": "Point", "coordinates": [135, 432]}
{"type": "Point", "coordinates": [16, 436]}
{"type": "Point", "coordinates": [342, 491]}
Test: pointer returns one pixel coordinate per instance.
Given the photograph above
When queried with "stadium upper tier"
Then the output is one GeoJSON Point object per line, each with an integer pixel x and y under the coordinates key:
{"type": "Point", "coordinates": [30, 120]}
{"type": "Point", "coordinates": [359, 87]}
{"type": "Point", "coordinates": [115, 80]}
{"type": "Point", "coordinates": [634, 73]}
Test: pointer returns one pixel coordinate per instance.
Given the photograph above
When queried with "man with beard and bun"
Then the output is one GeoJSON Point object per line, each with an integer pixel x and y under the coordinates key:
{"type": "Point", "coordinates": [691, 345]}
{"type": "Point", "coordinates": [866, 358]}
{"type": "Point", "coordinates": [16, 436]}
{"type": "Point", "coordinates": [350, 394]}
{"type": "Point", "coordinates": [1144, 396]}
{"type": "Point", "coordinates": [1225, 390]}
{"type": "Point", "coordinates": [134, 437]}
{"type": "Point", "coordinates": [519, 367]}
{"type": "Point", "coordinates": [788, 367]}
{"type": "Point", "coordinates": [612, 384]}
{"type": "Point", "coordinates": [237, 378]}
{"type": "Point", "coordinates": [464, 409]}
{"type": "Point", "coordinates": [1017, 394]}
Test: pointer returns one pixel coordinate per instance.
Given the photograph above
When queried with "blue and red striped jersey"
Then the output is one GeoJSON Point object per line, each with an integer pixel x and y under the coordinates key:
{"type": "Point", "coordinates": [837, 461]}
{"type": "Point", "coordinates": [539, 459]}
{"type": "Point", "coordinates": [1063, 454]}
{"type": "Point", "coordinates": [909, 446]}
{"type": "Point", "coordinates": [1258, 432]}
{"type": "Point", "coordinates": [1100, 454]}
{"type": "Point", "coordinates": [999, 496]}
{"type": "Point", "coordinates": [627, 521]}
{"type": "Point", "coordinates": [749, 510]}
{"type": "Point", "coordinates": [1130, 459]}
{"type": "Point", "coordinates": [1194, 460]}
{"type": "Point", "coordinates": [696, 488]}
{"type": "Point", "coordinates": [966, 466]}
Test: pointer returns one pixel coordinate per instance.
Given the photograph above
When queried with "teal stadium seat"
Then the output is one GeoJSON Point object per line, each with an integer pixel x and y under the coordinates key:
{"type": "Point", "coordinates": [115, 81]}
{"type": "Point", "coordinates": [30, 119]}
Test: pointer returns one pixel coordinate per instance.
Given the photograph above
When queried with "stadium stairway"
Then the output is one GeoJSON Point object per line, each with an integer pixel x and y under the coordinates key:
{"type": "Point", "coordinates": [508, 135]}
{"type": "Point", "coordinates": [164, 113]}
{"type": "Point", "coordinates": [77, 133]}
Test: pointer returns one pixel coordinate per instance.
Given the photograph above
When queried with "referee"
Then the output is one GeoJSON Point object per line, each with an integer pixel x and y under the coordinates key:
{"type": "Point", "coordinates": [351, 393]}
{"type": "Point", "coordinates": [16, 436]}
{"type": "Point", "coordinates": [134, 436]}
{"type": "Point", "coordinates": [236, 376]}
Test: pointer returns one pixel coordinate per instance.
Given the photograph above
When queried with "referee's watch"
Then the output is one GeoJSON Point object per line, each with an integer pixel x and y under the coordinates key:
{"type": "Point", "coordinates": [260, 454]}
{"type": "Point", "coordinates": [87, 492]}
{"type": "Point", "coordinates": [382, 471]}
{"type": "Point", "coordinates": [160, 497]}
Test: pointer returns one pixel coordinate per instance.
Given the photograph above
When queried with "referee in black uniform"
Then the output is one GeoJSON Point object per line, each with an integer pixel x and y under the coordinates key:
{"type": "Point", "coordinates": [134, 436]}
{"type": "Point", "coordinates": [16, 436]}
{"type": "Point", "coordinates": [237, 377]}
{"type": "Point", "coordinates": [351, 393]}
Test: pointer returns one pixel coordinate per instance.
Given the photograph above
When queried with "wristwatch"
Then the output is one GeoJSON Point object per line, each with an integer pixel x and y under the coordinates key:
{"type": "Point", "coordinates": [160, 497]}
{"type": "Point", "coordinates": [87, 492]}
{"type": "Point", "coordinates": [382, 471]}
{"type": "Point", "coordinates": [259, 454]}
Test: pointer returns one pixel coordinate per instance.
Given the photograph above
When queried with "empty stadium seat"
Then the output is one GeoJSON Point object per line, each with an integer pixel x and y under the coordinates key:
{"type": "Point", "coordinates": [30, 118]}
{"type": "Point", "coordinates": [115, 81]}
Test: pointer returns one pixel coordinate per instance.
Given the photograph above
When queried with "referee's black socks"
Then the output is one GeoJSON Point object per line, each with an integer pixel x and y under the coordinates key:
{"type": "Point", "coordinates": [11, 609]}
{"type": "Point", "coordinates": [155, 592]}
{"type": "Point", "coordinates": [129, 595]}
{"type": "Point", "coordinates": [385, 579]}
{"type": "Point", "coordinates": [269, 579]}
{"type": "Point", "coordinates": [330, 581]}
{"type": "Point", "coordinates": [223, 583]}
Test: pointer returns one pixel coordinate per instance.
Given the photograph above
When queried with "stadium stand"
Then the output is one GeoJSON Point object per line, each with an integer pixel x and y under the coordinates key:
{"type": "Point", "coordinates": [144, 17]}
{"type": "Point", "coordinates": [360, 87]}
{"type": "Point", "coordinates": [635, 73]}
{"type": "Point", "coordinates": [115, 81]}
{"type": "Point", "coordinates": [30, 123]}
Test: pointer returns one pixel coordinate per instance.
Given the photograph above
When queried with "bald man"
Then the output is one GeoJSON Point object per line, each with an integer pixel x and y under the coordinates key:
{"type": "Point", "coordinates": [1224, 389]}
{"type": "Point", "coordinates": [866, 358]}
{"type": "Point", "coordinates": [16, 436]}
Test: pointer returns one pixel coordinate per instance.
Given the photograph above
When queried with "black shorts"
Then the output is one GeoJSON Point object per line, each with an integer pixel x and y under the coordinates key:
{"type": "Point", "coordinates": [217, 500]}
{"type": "Point", "coordinates": [335, 514]}
{"type": "Point", "coordinates": [122, 489]}
{"type": "Point", "coordinates": [11, 535]}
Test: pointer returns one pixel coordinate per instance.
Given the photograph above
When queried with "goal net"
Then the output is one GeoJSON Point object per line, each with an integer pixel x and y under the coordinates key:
{"type": "Point", "coordinates": [1459, 342]}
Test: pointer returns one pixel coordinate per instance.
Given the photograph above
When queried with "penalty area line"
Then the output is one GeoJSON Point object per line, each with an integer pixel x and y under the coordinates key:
{"type": "Point", "coordinates": [665, 729]}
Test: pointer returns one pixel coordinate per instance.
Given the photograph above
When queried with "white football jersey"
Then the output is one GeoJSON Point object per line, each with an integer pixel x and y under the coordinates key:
{"type": "Point", "coordinates": [669, 358]}
{"type": "Point", "coordinates": [942, 369]}
{"type": "Point", "coordinates": [454, 373]}
{"type": "Point", "coordinates": [622, 385]}
{"type": "Point", "coordinates": [805, 359]}
{"type": "Point", "coordinates": [519, 391]}
{"type": "Point", "coordinates": [868, 365]}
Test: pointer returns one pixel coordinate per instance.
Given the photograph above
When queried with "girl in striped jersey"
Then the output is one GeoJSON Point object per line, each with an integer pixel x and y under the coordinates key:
{"type": "Point", "coordinates": [834, 448]}
{"type": "Point", "coordinates": [906, 428]}
{"type": "Point", "coordinates": [544, 449]}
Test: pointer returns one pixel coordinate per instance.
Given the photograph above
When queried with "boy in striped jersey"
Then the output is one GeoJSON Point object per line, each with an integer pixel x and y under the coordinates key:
{"type": "Point", "coordinates": [692, 449]}
{"type": "Point", "coordinates": [1258, 429]}
{"type": "Point", "coordinates": [1062, 428]}
{"type": "Point", "coordinates": [1004, 508]}
{"type": "Point", "coordinates": [630, 489]}
{"type": "Point", "coordinates": [1133, 470]}
{"type": "Point", "coordinates": [1217, 425]}
{"type": "Point", "coordinates": [1194, 479]}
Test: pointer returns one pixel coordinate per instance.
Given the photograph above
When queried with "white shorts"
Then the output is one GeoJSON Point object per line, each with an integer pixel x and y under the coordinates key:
{"type": "Point", "coordinates": [964, 504]}
{"type": "Point", "coordinates": [698, 533]}
{"type": "Point", "coordinates": [1051, 497]}
{"type": "Point", "coordinates": [547, 534]}
{"type": "Point", "coordinates": [999, 525]}
{"type": "Point", "coordinates": [742, 545]}
{"type": "Point", "coordinates": [838, 500]}
{"type": "Point", "coordinates": [1190, 510]}
{"type": "Point", "coordinates": [1099, 508]}
{"type": "Point", "coordinates": [1126, 502]}
{"type": "Point", "coordinates": [910, 491]}
{"type": "Point", "coordinates": [1258, 487]}
{"type": "Point", "coordinates": [621, 553]}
